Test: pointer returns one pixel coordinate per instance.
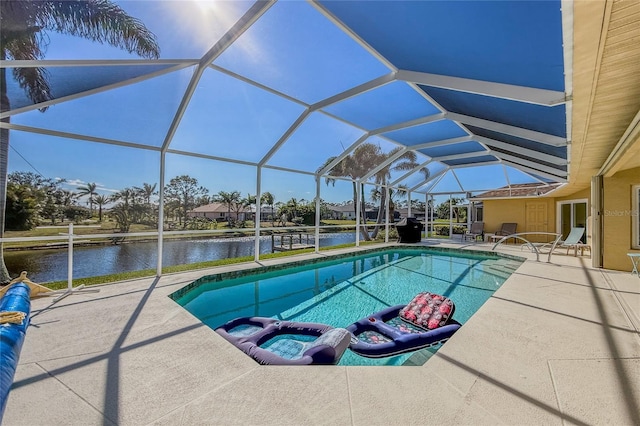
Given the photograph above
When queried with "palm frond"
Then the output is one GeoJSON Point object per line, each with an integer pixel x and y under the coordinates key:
{"type": "Point", "coordinates": [101, 21]}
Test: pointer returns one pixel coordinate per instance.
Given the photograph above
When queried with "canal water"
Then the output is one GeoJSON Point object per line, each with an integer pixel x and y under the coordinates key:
{"type": "Point", "coordinates": [51, 265]}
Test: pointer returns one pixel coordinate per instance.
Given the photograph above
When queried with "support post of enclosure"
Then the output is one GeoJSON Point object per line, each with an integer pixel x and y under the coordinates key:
{"type": "Point", "coordinates": [317, 230]}
{"type": "Point", "coordinates": [160, 216]}
{"type": "Point", "coordinates": [70, 290]}
{"type": "Point", "coordinates": [70, 259]}
{"type": "Point", "coordinates": [256, 245]}
{"type": "Point", "coordinates": [386, 210]}
{"type": "Point", "coordinates": [357, 206]}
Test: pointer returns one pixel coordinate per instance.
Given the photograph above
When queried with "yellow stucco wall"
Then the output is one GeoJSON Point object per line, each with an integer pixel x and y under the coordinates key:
{"type": "Point", "coordinates": [617, 219]}
{"type": "Point", "coordinates": [496, 212]}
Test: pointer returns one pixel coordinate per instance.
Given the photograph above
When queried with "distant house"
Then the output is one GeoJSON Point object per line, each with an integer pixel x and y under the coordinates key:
{"type": "Point", "coordinates": [404, 212]}
{"type": "Point", "coordinates": [267, 212]}
{"type": "Point", "coordinates": [348, 212]}
{"type": "Point", "coordinates": [220, 212]}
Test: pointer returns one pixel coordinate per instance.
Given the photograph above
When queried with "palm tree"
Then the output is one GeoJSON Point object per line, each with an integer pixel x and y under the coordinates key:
{"type": "Point", "coordinates": [23, 36]}
{"type": "Point", "coordinates": [147, 191]}
{"type": "Point", "coordinates": [354, 166]}
{"type": "Point", "coordinates": [100, 200]}
{"type": "Point", "coordinates": [246, 203]}
{"type": "Point", "coordinates": [268, 198]}
{"type": "Point", "coordinates": [90, 190]}
{"type": "Point", "coordinates": [67, 197]}
{"type": "Point", "coordinates": [377, 193]}
{"type": "Point", "coordinates": [405, 162]}
{"type": "Point", "coordinates": [125, 195]}
{"type": "Point", "coordinates": [230, 199]}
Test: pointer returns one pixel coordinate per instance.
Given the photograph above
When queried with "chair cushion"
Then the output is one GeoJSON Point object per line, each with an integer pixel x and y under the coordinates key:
{"type": "Point", "coordinates": [428, 310]}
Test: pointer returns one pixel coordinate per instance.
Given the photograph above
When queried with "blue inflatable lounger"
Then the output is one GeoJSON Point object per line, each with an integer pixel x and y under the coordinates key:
{"type": "Point", "coordinates": [425, 321]}
{"type": "Point", "coordinates": [273, 342]}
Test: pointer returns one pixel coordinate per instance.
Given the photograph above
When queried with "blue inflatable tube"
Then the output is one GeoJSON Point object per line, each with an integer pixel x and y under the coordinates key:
{"type": "Point", "coordinates": [16, 299]}
{"type": "Point", "coordinates": [375, 338]}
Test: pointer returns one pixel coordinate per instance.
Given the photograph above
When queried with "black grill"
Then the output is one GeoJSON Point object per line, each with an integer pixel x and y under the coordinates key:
{"type": "Point", "coordinates": [409, 230]}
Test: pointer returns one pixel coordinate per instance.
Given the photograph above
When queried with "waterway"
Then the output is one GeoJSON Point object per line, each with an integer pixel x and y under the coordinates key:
{"type": "Point", "coordinates": [51, 264]}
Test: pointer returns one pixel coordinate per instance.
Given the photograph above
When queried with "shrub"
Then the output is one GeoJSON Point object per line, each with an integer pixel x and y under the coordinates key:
{"type": "Point", "coordinates": [444, 229]}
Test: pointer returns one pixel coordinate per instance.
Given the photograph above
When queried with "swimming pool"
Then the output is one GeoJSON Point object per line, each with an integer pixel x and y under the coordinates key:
{"type": "Point", "coordinates": [340, 291]}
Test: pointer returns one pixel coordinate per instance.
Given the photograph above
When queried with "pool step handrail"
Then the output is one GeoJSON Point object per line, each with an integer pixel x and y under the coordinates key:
{"type": "Point", "coordinates": [533, 246]}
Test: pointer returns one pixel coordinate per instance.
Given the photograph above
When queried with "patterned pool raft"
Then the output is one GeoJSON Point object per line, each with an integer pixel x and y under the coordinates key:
{"type": "Point", "coordinates": [425, 321]}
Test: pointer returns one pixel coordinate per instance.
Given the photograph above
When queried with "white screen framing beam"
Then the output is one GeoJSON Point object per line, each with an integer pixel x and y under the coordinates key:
{"type": "Point", "coordinates": [536, 155]}
{"type": "Point", "coordinates": [344, 155]}
{"type": "Point", "coordinates": [462, 156]}
{"type": "Point", "coordinates": [301, 118]}
{"type": "Point", "coordinates": [410, 172]}
{"type": "Point", "coordinates": [532, 171]}
{"type": "Point", "coordinates": [431, 178]}
{"type": "Point", "coordinates": [532, 165]}
{"type": "Point", "coordinates": [385, 163]}
{"type": "Point", "coordinates": [329, 101]}
{"type": "Point", "coordinates": [244, 23]}
{"type": "Point", "coordinates": [96, 90]}
{"type": "Point", "coordinates": [519, 132]}
{"type": "Point", "coordinates": [422, 120]}
{"type": "Point", "coordinates": [441, 142]}
{"type": "Point", "coordinates": [486, 88]}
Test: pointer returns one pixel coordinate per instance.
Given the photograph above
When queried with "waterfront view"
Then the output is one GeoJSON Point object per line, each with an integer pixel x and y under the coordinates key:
{"type": "Point", "coordinates": [46, 265]}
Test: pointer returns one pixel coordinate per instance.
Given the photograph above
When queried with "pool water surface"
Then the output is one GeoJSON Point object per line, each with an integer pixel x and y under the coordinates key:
{"type": "Point", "coordinates": [339, 292]}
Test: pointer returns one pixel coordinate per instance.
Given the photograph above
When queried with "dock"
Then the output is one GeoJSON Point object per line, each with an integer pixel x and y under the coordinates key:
{"type": "Point", "coordinates": [291, 241]}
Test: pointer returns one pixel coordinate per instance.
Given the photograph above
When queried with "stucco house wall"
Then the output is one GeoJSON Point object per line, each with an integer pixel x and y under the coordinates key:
{"type": "Point", "coordinates": [498, 211]}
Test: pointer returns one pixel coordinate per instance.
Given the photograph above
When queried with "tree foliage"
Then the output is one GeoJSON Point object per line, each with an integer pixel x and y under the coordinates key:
{"type": "Point", "coordinates": [183, 191]}
{"type": "Point", "coordinates": [24, 36]}
{"type": "Point", "coordinates": [30, 199]}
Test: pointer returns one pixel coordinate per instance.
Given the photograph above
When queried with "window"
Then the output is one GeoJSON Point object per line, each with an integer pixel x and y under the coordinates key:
{"type": "Point", "coordinates": [635, 217]}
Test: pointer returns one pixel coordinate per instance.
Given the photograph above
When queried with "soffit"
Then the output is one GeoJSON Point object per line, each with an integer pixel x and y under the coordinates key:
{"type": "Point", "coordinates": [606, 92]}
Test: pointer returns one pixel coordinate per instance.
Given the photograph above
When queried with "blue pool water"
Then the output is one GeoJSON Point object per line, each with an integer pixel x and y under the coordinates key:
{"type": "Point", "coordinates": [341, 291]}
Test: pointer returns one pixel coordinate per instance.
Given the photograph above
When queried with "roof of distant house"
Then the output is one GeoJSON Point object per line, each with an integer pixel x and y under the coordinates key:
{"type": "Point", "coordinates": [518, 191]}
{"type": "Point", "coordinates": [405, 210]}
{"type": "Point", "coordinates": [345, 208]}
{"type": "Point", "coordinates": [214, 208]}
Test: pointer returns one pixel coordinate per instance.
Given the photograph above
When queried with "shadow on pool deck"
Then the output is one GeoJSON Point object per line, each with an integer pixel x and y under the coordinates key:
{"type": "Point", "coordinates": [556, 343]}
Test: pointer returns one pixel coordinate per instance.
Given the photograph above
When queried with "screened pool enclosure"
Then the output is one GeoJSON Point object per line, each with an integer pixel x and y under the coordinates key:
{"type": "Point", "coordinates": [304, 99]}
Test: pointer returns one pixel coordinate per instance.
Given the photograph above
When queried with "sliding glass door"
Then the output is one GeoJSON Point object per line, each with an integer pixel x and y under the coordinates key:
{"type": "Point", "coordinates": [572, 214]}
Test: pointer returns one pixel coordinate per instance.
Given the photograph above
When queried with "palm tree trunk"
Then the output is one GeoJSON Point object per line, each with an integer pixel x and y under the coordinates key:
{"type": "Point", "coordinates": [4, 163]}
{"type": "Point", "coordinates": [363, 214]}
{"type": "Point", "coordinates": [381, 210]}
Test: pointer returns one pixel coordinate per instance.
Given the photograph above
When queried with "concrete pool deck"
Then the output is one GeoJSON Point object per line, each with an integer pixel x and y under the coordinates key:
{"type": "Point", "coordinates": [558, 343]}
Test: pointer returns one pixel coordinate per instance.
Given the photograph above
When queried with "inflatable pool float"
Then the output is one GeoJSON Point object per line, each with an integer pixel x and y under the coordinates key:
{"type": "Point", "coordinates": [273, 342]}
{"type": "Point", "coordinates": [425, 321]}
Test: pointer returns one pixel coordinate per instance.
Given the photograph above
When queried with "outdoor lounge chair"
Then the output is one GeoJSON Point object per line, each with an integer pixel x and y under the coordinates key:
{"type": "Point", "coordinates": [507, 228]}
{"type": "Point", "coordinates": [475, 230]}
{"type": "Point", "coordinates": [573, 239]}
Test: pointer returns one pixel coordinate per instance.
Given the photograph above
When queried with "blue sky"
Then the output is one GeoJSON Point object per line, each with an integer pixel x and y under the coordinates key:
{"type": "Point", "coordinates": [226, 117]}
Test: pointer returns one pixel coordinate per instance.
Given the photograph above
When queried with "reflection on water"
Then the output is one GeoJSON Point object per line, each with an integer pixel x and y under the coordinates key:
{"type": "Point", "coordinates": [51, 265]}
